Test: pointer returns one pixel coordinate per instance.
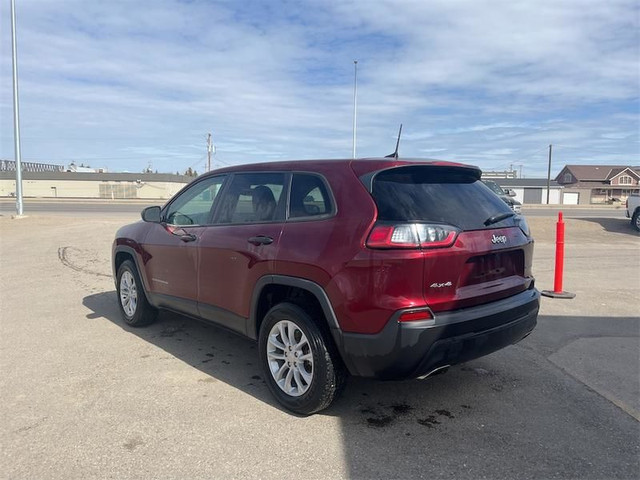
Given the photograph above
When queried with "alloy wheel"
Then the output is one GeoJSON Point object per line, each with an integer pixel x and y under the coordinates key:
{"type": "Point", "coordinates": [290, 358]}
{"type": "Point", "coordinates": [128, 294]}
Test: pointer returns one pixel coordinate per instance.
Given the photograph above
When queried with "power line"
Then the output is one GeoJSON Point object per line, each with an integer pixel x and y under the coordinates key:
{"type": "Point", "coordinates": [198, 162]}
{"type": "Point", "coordinates": [532, 154]}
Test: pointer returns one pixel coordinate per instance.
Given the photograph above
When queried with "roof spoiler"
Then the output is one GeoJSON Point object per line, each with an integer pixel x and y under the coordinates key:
{"type": "Point", "coordinates": [470, 170]}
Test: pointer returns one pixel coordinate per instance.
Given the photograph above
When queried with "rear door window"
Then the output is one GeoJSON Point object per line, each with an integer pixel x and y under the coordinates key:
{"type": "Point", "coordinates": [253, 198]}
{"type": "Point", "coordinates": [436, 195]}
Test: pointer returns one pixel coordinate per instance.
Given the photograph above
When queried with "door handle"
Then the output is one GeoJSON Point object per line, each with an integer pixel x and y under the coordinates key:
{"type": "Point", "coordinates": [180, 233]}
{"type": "Point", "coordinates": [188, 237]}
{"type": "Point", "coordinates": [261, 240]}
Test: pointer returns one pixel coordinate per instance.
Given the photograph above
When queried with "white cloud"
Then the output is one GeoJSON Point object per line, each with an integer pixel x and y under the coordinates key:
{"type": "Point", "coordinates": [127, 83]}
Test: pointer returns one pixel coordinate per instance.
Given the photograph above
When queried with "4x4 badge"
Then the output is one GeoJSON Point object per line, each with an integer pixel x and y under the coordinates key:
{"type": "Point", "coordinates": [499, 239]}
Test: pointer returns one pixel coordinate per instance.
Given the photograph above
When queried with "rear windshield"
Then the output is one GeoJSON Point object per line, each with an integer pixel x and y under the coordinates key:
{"type": "Point", "coordinates": [436, 195]}
{"type": "Point", "coordinates": [494, 187]}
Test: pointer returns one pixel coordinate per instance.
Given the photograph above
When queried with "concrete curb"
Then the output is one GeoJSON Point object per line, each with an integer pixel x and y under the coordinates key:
{"type": "Point", "coordinates": [119, 201]}
{"type": "Point", "coordinates": [574, 207]}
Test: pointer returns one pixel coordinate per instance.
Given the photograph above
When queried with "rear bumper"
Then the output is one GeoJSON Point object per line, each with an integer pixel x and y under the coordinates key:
{"type": "Point", "coordinates": [412, 349]}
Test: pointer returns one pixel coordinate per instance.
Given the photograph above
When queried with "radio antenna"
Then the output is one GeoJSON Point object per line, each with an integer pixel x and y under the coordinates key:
{"type": "Point", "coordinates": [395, 153]}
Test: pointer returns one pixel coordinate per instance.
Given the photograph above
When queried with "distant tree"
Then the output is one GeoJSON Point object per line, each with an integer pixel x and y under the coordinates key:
{"type": "Point", "coordinates": [195, 173]}
{"type": "Point", "coordinates": [189, 172]}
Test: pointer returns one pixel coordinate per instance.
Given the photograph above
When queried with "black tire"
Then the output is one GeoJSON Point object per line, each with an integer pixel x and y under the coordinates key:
{"type": "Point", "coordinates": [139, 313]}
{"type": "Point", "coordinates": [635, 220]}
{"type": "Point", "coordinates": [328, 373]}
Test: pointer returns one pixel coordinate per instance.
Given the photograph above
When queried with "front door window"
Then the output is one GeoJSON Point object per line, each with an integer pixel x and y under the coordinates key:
{"type": "Point", "coordinates": [195, 205]}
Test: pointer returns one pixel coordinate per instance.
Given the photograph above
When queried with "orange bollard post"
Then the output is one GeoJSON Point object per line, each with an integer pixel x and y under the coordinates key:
{"type": "Point", "coordinates": [559, 272]}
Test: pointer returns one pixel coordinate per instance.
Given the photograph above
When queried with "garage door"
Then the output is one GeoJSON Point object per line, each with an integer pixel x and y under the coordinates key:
{"type": "Point", "coordinates": [570, 198]}
{"type": "Point", "coordinates": [532, 195]}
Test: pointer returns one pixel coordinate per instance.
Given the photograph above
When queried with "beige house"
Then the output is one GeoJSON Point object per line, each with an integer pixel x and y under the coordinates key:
{"type": "Point", "coordinates": [598, 184]}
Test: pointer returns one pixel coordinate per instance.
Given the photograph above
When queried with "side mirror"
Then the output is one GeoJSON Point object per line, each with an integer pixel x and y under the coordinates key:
{"type": "Point", "coordinates": [509, 192]}
{"type": "Point", "coordinates": [151, 214]}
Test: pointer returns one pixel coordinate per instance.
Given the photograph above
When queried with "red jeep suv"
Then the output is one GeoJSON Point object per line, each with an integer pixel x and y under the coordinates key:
{"type": "Point", "coordinates": [381, 267]}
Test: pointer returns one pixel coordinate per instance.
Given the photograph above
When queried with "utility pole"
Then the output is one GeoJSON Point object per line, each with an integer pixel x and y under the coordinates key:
{"type": "Point", "coordinates": [355, 104]}
{"type": "Point", "coordinates": [16, 115]}
{"type": "Point", "coordinates": [209, 150]}
{"type": "Point", "coordinates": [549, 174]}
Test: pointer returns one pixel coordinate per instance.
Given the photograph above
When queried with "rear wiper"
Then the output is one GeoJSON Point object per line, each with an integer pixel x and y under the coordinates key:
{"type": "Point", "coordinates": [498, 217]}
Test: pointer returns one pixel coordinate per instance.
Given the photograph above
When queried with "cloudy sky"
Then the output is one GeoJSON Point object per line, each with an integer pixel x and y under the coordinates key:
{"type": "Point", "coordinates": [127, 84]}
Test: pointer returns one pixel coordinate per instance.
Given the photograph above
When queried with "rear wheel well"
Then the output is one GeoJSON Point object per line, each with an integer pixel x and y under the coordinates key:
{"type": "Point", "coordinates": [274, 294]}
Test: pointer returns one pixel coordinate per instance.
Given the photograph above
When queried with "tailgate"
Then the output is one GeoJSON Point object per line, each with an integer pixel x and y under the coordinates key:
{"type": "Point", "coordinates": [475, 248]}
{"type": "Point", "coordinates": [482, 266]}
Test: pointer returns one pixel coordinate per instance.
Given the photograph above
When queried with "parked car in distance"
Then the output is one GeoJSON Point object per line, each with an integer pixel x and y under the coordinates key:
{"type": "Point", "coordinates": [633, 210]}
{"type": "Point", "coordinates": [505, 194]}
{"type": "Point", "coordinates": [382, 268]}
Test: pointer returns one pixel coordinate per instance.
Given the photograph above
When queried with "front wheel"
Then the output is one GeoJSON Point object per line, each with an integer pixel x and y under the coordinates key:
{"type": "Point", "coordinates": [302, 368]}
{"type": "Point", "coordinates": [133, 303]}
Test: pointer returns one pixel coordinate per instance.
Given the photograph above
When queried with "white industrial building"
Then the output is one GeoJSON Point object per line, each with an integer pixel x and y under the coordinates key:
{"type": "Point", "coordinates": [50, 184]}
{"type": "Point", "coordinates": [532, 191]}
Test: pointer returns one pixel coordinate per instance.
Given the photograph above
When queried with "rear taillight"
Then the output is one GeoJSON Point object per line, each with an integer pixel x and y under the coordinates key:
{"type": "Point", "coordinates": [411, 235]}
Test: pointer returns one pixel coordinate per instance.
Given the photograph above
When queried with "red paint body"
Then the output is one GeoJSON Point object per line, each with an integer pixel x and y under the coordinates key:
{"type": "Point", "coordinates": [365, 286]}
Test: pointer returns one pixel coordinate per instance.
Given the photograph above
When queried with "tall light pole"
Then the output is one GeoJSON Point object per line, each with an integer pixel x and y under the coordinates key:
{"type": "Point", "coordinates": [209, 151]}
{"type": "Point", "coordinates": [355, 104]}
{"type": "Point", "coordinates": [549, 174]}
{"type": "Point", "coordinates": [16, 116]}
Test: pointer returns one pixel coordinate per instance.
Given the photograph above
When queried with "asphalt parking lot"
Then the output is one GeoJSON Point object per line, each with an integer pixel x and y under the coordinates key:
{"type": "Point", "coordinates": [84, 396]}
